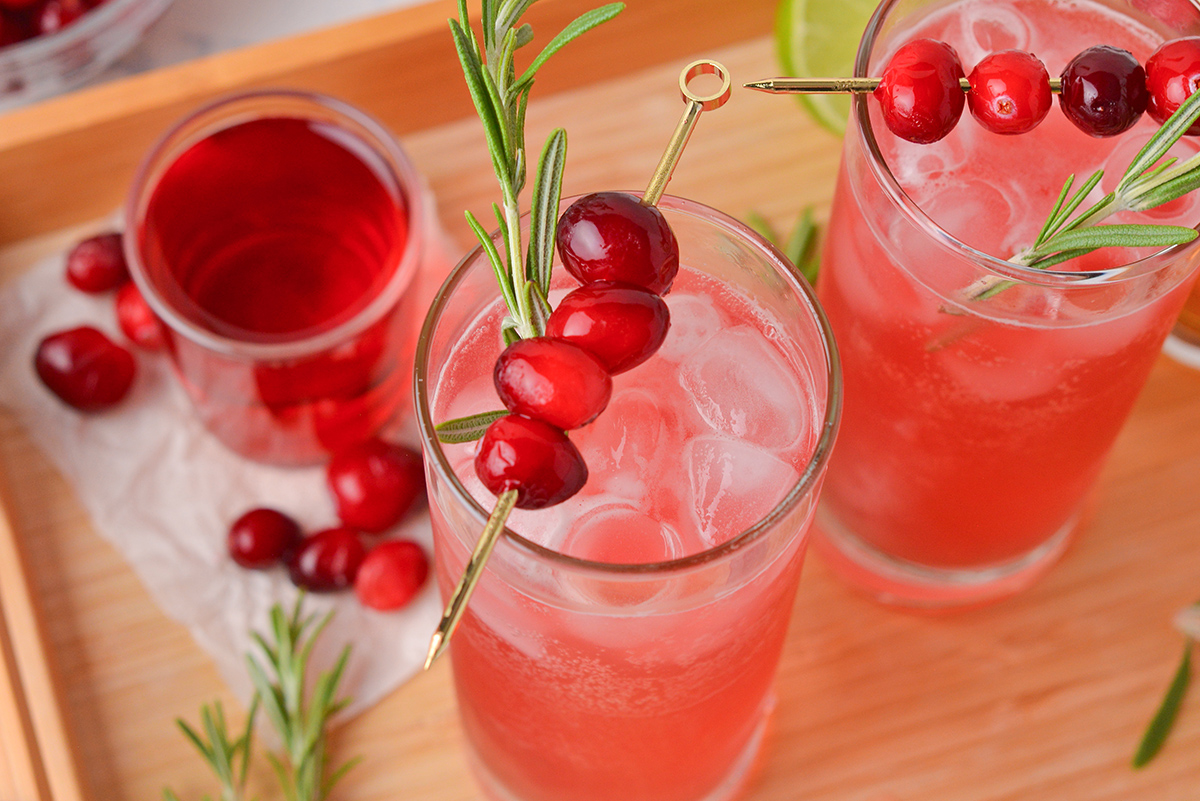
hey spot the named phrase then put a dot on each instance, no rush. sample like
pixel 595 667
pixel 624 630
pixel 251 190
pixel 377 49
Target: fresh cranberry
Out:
pixel 14 28
pixel 262 538
pixel 97 264
pixel 529 456
pixel 136 319
pixel 55 15
pixel 375 484
pixel 85 368
pixel 1172 75
pixel 552 380
pixel 921 91
pixel 620 324
pixel 612 236
pixel 391 575
pixel 1104 90
pixel 1010 92
pixel 327 561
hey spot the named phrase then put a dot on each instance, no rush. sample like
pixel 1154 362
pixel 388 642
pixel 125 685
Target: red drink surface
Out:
pixel 968 441
pixel 273 231
pixel 273 227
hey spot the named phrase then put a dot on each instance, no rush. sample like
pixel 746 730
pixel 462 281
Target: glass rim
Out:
pixel 381 141
pixel 804 486
pixel 861 126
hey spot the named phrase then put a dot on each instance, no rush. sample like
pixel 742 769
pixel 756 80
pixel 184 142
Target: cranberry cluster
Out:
pixel 374 486
pixel 1104 89
pixel 25 19
pixel 82 366
pixel 625 255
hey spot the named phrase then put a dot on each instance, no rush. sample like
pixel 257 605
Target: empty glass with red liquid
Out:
pixel 278 235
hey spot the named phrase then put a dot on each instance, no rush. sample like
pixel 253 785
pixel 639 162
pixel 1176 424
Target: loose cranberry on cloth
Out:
pixel 164 492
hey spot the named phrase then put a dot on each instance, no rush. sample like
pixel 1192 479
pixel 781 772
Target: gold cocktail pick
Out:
pixel 696 103
pixel 842 86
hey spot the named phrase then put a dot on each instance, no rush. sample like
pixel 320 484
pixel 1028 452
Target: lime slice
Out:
pixel 819 38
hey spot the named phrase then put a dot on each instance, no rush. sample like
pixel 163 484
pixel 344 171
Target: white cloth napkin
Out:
pixel 163 490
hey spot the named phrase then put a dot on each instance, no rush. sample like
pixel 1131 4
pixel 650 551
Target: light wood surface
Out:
pixel 1041 697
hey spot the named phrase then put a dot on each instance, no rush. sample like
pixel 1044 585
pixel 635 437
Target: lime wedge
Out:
pixel 818 38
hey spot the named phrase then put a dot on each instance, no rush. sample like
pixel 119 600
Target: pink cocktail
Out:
pixel 622 644
pixel 974 429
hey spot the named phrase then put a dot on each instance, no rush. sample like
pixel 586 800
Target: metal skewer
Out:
pixel 457 605
pixel 696 103
pixel 841 86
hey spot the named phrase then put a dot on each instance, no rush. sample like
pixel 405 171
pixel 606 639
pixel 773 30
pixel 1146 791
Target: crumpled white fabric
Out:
pixel 163 490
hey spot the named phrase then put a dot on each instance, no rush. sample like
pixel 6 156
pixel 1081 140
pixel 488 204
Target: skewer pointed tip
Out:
pixel 435 648
pixel 761 86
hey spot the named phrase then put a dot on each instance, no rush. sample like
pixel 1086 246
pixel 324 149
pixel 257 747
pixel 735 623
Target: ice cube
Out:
pixel 743 387
pixel 990 29
pixel 626 436
pixel 694 320
pixel 734 485
pixel 619 534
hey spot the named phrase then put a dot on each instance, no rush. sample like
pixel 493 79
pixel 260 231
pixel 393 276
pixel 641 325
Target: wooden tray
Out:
pixel 1042 697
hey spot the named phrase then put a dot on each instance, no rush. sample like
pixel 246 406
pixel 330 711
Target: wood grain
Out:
pixel 1041 698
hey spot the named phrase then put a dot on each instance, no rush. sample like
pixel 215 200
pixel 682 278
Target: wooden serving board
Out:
pixel 1041 697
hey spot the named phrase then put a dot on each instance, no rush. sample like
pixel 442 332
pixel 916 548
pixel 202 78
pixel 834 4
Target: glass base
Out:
pixel 1183 348
pixel 730 788
pixel 900 583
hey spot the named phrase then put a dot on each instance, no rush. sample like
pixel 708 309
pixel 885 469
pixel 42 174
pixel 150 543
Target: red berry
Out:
pixel 136 319
pixel 612 236
pixel 97 264
pixel 534 458
pixel 920 91
pixel 375 484
pixel 58 14
pixel 620 324
pixel 553 381
pixel 391 575
pixel 327 561
pixel 85 368
pixel 262 538
pixel 1010 92
pixel 1172 75
pixel 1103 90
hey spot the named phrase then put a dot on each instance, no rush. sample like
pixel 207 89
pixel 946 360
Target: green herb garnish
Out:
pixel 1160 725
pixel 298 717
pixel 501 97
pixel 1143 186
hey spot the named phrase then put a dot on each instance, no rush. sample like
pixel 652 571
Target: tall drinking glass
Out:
pixel 974 429
pixel 622 645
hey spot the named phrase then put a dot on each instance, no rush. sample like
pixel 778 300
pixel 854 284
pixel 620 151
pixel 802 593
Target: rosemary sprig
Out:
pixel 1145 184
pixel 501 98
pixel 229 759
pixel 1168 709
pixel 279 677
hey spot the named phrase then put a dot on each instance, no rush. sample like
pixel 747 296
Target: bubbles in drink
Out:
pixel 733 485
pixel 742 387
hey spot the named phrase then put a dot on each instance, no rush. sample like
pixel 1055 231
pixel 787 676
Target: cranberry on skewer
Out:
pixel 920 91
pixel 553 381
pixel 1104 91
pixel 620 324
pixel 613 236
pixel 1172 75
pixel 1010 92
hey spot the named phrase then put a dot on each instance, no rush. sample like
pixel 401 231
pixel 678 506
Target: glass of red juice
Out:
pixel 277 235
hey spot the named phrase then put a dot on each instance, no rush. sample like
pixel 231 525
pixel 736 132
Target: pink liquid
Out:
pixel 967 442
pixel 648 688
pixel 275 231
